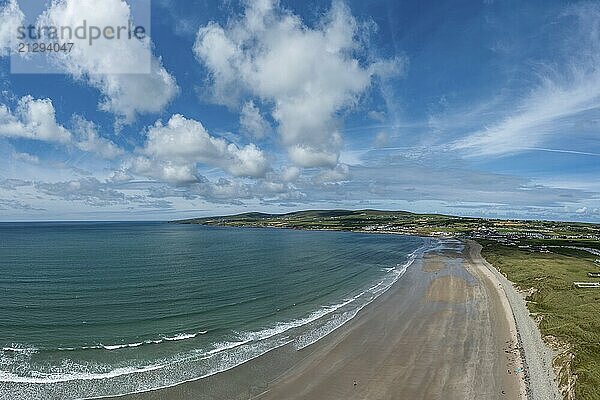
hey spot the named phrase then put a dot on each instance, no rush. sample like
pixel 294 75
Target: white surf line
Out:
pixel 187 380
pixel 412 257
pixel 398 274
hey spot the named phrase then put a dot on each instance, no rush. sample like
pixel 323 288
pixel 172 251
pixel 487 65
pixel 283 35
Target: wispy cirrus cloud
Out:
pixel 566 95
pixel 96 193
pixel 551 110
pixel 13 204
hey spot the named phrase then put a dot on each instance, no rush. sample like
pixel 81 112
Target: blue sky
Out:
pixel 479 108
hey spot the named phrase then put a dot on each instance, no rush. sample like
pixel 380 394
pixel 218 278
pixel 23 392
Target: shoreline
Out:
pixel 425 337
pixel 537 357
pixel 413 257
pixel 487 270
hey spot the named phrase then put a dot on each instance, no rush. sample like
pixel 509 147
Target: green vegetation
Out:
pixel 532 233
pixel 538 256
pixel 341 220
pixel 567 315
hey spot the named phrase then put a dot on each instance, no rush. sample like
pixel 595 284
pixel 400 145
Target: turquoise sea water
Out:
pixel 96 309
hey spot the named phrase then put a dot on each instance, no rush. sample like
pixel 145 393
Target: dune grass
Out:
pixel 570 315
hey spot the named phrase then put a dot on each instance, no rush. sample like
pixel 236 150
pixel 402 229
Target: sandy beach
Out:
pixel 446 336
pixel 536 356
pixel 445 330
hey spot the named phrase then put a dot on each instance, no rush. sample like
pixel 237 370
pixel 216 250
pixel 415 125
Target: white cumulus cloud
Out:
pixel 172 151
pixel 307 74
pixel 88 139
pixel 340 173
pixel 35 119
pixel 252 122
pixel 131 80
pixel 10 18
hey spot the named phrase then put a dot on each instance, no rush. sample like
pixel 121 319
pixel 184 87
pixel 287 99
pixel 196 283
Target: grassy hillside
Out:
pixel 535 233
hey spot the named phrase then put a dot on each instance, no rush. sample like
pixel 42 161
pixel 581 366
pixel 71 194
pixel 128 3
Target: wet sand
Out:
pixel 443 331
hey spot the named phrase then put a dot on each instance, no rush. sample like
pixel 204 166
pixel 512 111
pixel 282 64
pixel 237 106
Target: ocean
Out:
pixel 99 309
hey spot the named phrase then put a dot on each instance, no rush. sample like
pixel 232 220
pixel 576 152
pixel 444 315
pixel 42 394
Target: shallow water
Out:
pixel 96 309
